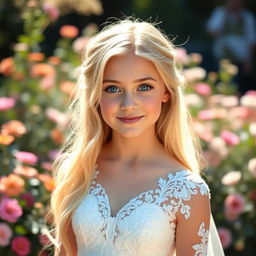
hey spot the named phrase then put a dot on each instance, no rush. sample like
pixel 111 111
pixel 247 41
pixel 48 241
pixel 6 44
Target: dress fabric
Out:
pixel 145 225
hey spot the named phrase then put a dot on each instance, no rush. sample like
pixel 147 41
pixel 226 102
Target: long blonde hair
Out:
pixel 75 166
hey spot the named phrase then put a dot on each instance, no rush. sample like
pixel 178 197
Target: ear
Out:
pixel 166 97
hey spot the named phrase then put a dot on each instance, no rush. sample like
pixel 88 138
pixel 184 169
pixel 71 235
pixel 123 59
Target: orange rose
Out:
pixel 6 139
pixel 69 31
pixel 14 127
pixel 42 70
pixel 12 185
pixel 57 136
pixel 7 66
pixel 36 56
pixel 26 171
pixel 48 181
pixel 54 60
pixel 67 87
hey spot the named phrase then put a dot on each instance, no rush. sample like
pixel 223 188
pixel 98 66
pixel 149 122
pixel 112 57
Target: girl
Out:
pixel 128 176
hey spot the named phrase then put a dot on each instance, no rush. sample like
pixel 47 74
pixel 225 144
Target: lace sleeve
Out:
pixel 192 231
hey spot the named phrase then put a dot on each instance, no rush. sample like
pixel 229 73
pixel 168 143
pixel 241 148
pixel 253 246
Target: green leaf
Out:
pixel 20 230
pixel 24 39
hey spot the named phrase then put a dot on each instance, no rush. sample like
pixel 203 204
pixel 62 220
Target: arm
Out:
pixel 192 233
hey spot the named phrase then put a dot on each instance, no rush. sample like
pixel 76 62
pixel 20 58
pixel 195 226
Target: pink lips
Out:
pixel 129 119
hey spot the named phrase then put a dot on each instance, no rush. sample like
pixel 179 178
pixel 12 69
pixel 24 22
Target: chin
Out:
pixel 130 134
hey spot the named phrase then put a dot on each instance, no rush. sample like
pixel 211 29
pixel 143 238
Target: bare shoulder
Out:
pixel 169 164
pixel 159 163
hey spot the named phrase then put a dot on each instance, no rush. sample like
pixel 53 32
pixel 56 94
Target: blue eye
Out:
pixel 145 87
pixel 112 89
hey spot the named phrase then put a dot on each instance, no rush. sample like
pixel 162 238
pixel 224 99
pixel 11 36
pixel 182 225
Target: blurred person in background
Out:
pixel 233 29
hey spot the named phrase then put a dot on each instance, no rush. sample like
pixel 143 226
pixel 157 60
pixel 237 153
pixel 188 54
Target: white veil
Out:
pixel 214 243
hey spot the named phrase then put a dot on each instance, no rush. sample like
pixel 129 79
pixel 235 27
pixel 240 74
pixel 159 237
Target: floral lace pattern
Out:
pixel 201 249
pixel 146 224
pixel 171 195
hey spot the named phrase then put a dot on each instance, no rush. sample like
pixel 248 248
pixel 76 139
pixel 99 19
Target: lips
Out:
pixel 129 119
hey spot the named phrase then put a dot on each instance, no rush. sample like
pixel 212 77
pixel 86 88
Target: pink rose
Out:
pixel 214 113
pixel 80 44
pixel 44 240
pixel 53 154
pixel 240 112
pixel 230 216
pixel 52 11
pixel 5 234
pixel 248 100
pixel 218 146
pixel 203 89
pixel 230 101
pixel 215 100
pixel 26 157
pixel 6 103
pixel 225 237
pixel 252 167
pixel 230 138
pixel 233 206
pixel 231 178
pixel 21 245
pixel 181 55
pixel 212 158
pixel 193 99
pixel 203 131
pixel 47 166
pixel 47 82
pixel 194 74
pixel 10 210
pixel 251 92
pixel 196 57
pixel 56 116
pixel 206 114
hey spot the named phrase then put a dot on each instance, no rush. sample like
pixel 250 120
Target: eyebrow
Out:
pixel 135 81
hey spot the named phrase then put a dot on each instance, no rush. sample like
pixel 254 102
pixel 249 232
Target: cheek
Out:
pixel 107 107
pixel 153 104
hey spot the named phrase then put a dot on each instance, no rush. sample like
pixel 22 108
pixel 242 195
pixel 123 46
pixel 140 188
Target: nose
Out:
pixel 128 102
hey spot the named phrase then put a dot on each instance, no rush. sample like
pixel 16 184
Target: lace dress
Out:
pixel 144 226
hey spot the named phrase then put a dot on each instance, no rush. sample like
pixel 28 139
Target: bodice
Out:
pixel 144 226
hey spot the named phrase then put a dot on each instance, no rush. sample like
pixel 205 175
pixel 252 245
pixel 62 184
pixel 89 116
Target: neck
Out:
pixel 130 151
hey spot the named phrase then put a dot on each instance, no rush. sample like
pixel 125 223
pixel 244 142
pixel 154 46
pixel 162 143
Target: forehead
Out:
pixel 129 65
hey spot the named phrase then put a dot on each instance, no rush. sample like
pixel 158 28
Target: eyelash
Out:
pixel 149 87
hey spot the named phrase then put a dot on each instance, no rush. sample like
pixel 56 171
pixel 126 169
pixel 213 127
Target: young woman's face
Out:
pixel 132 96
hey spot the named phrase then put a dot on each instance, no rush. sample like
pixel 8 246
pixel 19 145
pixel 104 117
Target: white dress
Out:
pixel 144 226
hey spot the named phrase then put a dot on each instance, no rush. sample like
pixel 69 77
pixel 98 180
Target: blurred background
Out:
pixel 40 47
pixel 181 19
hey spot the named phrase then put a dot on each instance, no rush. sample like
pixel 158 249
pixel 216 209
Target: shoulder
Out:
pixel 194 194
pixel 187 184
pixel 180 178
pixel 184 192
pixel 187 176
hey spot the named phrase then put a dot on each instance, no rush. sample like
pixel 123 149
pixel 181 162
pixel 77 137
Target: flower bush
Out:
pixel 226 124
pixel 34 96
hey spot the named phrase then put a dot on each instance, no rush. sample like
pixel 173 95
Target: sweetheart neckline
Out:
pixel 109 207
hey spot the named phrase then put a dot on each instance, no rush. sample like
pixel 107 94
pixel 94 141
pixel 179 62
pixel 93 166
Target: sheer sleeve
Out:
pixel 192 231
